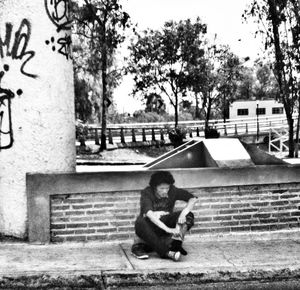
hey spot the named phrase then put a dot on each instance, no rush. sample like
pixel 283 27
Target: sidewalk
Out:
pixel 111 265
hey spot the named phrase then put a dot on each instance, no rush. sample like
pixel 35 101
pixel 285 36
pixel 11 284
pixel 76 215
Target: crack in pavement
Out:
pixel 225 257
pixel 123 250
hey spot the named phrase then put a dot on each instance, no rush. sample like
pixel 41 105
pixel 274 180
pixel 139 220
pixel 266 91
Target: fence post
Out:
pixel 144 135
pixel 162 138
pixel 96 137
pixel 153 134
pixel 246 128
pixel 133 135
pixel 110 138
pixel 225 130
pixel 122 135
pixel 198 133
pixel 191 133
pixel 235 129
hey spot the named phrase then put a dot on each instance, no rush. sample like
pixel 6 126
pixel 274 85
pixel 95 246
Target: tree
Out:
pixel 281 27
pixel 83 105
pixel 159 60
pixel 100 23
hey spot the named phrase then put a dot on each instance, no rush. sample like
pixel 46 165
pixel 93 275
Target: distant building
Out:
pixel 250 109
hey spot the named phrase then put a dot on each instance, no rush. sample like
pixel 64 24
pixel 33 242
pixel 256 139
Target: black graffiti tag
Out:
pixel 17 48
pixel 58 12
pixel 6 133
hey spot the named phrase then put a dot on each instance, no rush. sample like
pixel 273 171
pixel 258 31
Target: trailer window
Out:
pixel 242 112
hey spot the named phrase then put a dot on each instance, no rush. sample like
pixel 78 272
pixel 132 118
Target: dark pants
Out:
pixel 155 237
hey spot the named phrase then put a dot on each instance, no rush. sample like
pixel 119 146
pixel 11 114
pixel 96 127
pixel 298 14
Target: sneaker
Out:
pixel 176 246
pixel 139 252
pixel 175 256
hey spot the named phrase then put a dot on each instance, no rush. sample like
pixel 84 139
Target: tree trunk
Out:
pixel 280 72
pixel 197 109
pixel 207 117
pixel 297 135
pixel 104 94
pixel 291 136
pixel 176 111
pixel 224 108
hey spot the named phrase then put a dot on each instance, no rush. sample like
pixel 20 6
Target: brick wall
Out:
pixel 111 216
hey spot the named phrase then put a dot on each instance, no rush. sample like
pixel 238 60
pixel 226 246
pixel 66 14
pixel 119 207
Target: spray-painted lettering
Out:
pixel 58 12
pixel 17 47
pixel 6 133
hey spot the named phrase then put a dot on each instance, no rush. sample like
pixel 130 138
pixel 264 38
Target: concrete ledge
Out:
pixel 41 186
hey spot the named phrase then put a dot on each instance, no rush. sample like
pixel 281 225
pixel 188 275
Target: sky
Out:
pixel 223 17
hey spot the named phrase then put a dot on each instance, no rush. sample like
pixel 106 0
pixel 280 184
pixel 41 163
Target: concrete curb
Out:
pixel 123 279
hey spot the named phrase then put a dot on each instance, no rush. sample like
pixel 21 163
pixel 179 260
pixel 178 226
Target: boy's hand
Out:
pixel 173 231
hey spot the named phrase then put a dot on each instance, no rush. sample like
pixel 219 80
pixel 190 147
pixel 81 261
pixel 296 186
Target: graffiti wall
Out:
pixel 36 100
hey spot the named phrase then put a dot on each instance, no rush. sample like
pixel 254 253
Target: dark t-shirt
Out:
pixel 149 201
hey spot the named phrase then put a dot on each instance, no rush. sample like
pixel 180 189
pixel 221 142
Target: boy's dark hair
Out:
pixel 160 177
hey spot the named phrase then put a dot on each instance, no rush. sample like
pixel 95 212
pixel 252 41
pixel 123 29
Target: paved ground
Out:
pixel 111 266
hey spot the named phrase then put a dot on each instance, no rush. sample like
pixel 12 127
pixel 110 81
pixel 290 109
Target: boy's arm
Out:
pixel 189 207
pixel 154 217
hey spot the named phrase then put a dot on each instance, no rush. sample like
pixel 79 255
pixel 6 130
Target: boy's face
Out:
pixel 162 190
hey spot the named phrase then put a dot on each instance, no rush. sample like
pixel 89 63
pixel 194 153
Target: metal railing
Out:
pixel 142 132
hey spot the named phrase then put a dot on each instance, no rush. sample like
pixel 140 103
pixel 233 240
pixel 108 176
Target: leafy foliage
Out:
pixel 159 59
pixel 99 26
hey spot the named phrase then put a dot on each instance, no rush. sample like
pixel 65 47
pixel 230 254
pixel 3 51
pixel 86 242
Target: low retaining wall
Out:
pixel 103 206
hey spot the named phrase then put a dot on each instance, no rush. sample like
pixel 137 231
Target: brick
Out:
pixel 126 229
pixel 281 202
pixel 200 230
pixel 57 214
pixel 58 226
pixel 107 230
pixel 241 217
pixel 240 205
pixel 104 205
pixel 248 210
pixel 71 201
pixel 94 212
pixel 229 211
pixel 221 205
pixel 76 239
pixel 295 213
pixel 88 231
pixel 59 219
pixel 125 217
pixel 259 227
pixel 222 218
pixel 280 214
pixel 260 204
pixel 84 206
pixel 60 233
pixel 240 228
pixel 57 239
pixel 68 213
pixel 120 223
pixel 229 223
pixel 268 221
pixel 288 219
pixel 60 207
pixel 118 236
pixel 81 219
pixel 262 215
pixel 97 238
pixel 71 226
pixel 203 219
pixel 101 224
pixel 287 196
pixel 220 230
